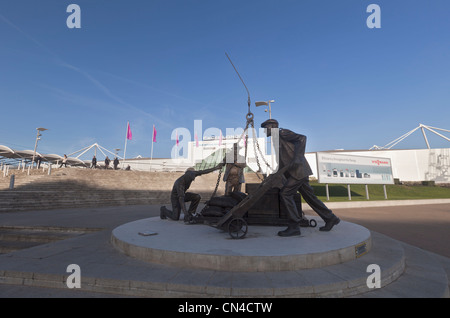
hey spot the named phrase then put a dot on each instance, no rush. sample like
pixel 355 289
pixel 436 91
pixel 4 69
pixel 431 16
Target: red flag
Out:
pixel 154 134
pixel 129 136
pixel 196 140
pixel 177 137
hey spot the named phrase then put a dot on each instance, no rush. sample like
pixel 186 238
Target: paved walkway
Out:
pixel 425 226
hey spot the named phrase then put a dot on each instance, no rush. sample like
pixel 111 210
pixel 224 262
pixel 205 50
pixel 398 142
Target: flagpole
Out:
pixel 125 148
pixel 176 155
pixel 153 141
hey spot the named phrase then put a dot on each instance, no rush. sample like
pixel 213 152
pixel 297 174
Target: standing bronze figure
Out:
pixel 291 154
pixel 234 172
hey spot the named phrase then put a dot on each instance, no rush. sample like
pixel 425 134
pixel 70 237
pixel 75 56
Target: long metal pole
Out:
pixel 125 148
pixel 35 146
pixel 437 133
pixel 248 93
pixel 425 137
pixel 151 154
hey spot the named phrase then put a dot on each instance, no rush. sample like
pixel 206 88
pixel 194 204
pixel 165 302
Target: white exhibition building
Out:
pixel 406 165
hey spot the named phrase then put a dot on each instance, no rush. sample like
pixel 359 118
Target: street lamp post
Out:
pixel 266 104
pixel 270 117
pixel 37 139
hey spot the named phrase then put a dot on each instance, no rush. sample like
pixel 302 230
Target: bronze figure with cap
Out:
pixel 291 156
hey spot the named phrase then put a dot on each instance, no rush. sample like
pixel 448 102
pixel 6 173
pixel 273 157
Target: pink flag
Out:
pixel 154 134
pixel 129 136
pixel 196 140
pixel 220 138
pixel 177 138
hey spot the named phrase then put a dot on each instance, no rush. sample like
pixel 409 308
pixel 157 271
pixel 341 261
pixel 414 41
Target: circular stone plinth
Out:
pixel 205 247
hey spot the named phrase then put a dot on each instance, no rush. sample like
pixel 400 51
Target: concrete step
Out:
pixel 342 280
pixel 14 238
pixel 221 276
pixel 19 235
pixel 76 204
pixel 107 179
pixel 424 277
pixel 405 272
pixel 21 200
pixel 11 246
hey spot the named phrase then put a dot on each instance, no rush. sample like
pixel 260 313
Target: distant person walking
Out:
pixel 94 162
pixel 116 163
pixel 38 161
pixel 64 162
pixel 107 161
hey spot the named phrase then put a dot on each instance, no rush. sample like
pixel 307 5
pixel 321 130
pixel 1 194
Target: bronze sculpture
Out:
pixel 179 196
pixel 291 154
pixel 234 172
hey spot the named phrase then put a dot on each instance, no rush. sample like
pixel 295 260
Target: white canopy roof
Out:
pixel 28 154
pixel 5 151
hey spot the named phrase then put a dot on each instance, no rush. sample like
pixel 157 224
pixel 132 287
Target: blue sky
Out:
pixel 163 63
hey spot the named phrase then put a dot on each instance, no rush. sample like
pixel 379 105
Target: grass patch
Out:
pixel 339 192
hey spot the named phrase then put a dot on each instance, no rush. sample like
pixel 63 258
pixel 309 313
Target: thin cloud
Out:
pixel 144 85
pixel 42 46
pixel 108 93
pixel 90 78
